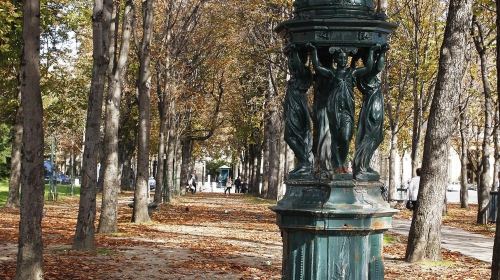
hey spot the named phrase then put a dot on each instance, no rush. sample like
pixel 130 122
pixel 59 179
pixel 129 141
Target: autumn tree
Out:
pixel 396 80
pixel 171 42
pixel 418 39
pixel 140 213
pixel 10 51
pixel 482 43
pixel 495 263
pixel 116 72
pixel 463 126
pixel 424 240
pixel 85 228
pixel 30 250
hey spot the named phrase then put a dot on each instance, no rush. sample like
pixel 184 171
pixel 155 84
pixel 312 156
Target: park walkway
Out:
pixel 454 239
pixel 202 236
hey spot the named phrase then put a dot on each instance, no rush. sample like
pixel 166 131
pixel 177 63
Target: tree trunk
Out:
pixel 417 102
pixel 392 166
pixel 265 158
pixel 160 168
pixel 112 39
pixel 274 160
pixel 495 263
pixel 85 228
pixel 127 174
pixel 141 199
pixel 127 143
pixel 496 145
pixel 187 152
pixel 30 249
pixel 251 175
pixel 169 187
pixel 245 165
pixel 163 139
pixel 178 168
pixel 282 165
pixel 15 164
pixel 111 183
pixel 485 180
pixel 255 164
pixel 102 167
pixel 424 241
pixel 416 132
pixel 258 171
pixel 464 193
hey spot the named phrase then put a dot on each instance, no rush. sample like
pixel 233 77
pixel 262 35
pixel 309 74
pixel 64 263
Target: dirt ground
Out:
pixel 201 236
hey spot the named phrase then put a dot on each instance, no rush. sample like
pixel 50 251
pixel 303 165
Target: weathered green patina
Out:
pixel 333 230
pixel 332 221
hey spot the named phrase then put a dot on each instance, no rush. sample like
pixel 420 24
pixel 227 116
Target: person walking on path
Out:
pixel 192 184
pixel 229 185
pixel 237 185
pixel 413 191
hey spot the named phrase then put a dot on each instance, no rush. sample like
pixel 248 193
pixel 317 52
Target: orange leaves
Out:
pixel 220 237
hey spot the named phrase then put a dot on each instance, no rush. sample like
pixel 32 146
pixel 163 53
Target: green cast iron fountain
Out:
pixel 332 219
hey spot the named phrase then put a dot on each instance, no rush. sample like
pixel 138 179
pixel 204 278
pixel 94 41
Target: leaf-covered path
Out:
pixel 470 244
pixel 202 236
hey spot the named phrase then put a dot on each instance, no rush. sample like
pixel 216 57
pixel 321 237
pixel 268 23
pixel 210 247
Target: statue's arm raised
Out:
pixel 293 58
pixel 381 59
pixel 296 62
pixel 368 67
pixel 315 61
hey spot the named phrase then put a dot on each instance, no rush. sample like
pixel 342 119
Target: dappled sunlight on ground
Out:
pixel 201 236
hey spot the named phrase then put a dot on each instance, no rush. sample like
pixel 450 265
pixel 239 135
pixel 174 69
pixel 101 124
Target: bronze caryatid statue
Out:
pixel 371 118
pixel 340 103
pixel 297 119
pixel 346 42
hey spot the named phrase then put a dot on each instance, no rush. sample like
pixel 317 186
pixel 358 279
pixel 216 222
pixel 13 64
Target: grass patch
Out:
pixel 104 251
pixel 389 239
pixel 62 191
pixel 4 191
pixel 429 264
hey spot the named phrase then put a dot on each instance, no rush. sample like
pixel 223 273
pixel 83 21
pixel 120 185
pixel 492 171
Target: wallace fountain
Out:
pixel 332 216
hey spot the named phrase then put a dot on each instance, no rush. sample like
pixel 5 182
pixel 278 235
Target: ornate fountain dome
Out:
pixel 334 8
pixel 342 23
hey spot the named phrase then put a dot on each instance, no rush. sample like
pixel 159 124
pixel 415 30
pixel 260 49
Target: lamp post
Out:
pixel 332 219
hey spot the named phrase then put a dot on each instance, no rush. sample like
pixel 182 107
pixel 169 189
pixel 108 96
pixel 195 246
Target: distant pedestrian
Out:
pixel 229 185
pixel 413 191
pixel 237 185
pixel 192 184
pixel 244 187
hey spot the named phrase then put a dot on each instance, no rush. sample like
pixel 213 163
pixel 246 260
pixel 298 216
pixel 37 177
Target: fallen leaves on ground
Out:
pixel 201 236
pixel 459 218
